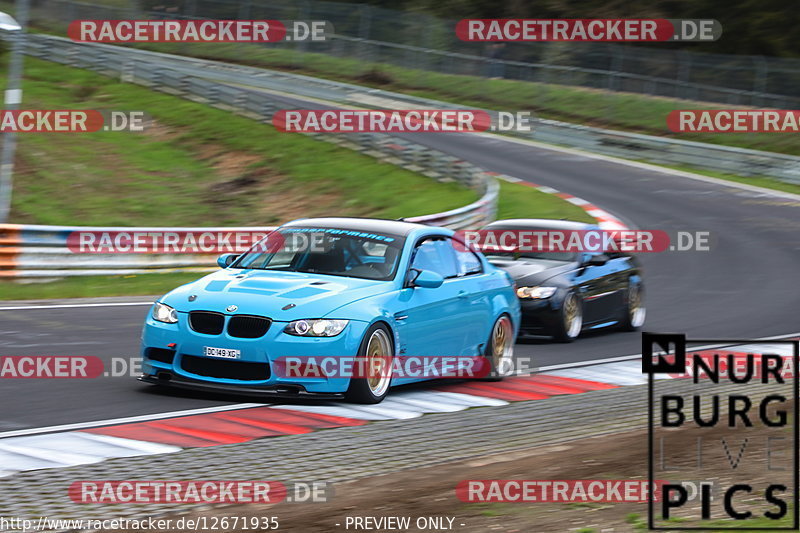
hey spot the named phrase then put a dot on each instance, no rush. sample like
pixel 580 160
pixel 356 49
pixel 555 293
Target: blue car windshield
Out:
pixel 331 251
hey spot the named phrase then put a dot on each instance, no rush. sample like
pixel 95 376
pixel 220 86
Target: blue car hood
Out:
pixel 271 293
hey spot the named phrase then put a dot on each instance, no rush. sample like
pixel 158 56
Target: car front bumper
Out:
pixel 259 354
pixel 540 317
pixel 166 378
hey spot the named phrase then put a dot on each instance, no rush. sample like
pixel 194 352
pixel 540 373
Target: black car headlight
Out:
pixel 164 313
pixel 536 293
pixel 321 327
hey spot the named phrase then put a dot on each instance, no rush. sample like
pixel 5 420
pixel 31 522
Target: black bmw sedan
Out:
pixel 566 289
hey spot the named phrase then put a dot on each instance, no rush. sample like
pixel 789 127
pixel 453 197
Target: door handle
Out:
pixel 463 294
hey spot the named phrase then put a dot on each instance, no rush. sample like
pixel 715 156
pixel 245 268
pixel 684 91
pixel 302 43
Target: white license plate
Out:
pixel 227 353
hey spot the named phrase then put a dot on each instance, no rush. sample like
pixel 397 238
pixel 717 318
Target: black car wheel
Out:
pixel 571 322
pixel 635 310
pixel 377 352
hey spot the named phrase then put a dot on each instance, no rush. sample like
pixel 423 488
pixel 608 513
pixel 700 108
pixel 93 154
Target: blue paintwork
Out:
pixel 453 319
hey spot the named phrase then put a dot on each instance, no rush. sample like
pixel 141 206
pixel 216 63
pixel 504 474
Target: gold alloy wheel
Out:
pixel 636 309
pixel 502 344
pixel 379 361
pixel 573 319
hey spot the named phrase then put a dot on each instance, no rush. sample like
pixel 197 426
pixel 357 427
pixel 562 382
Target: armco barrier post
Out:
pixel 13 97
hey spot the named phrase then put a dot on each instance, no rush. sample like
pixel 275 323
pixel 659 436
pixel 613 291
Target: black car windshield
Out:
pixel 331 251
pixel 514 256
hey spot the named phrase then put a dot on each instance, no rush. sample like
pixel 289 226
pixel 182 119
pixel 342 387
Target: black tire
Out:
pixel 570 319
pixel 364 390
pixel 499 358
pixel 635 310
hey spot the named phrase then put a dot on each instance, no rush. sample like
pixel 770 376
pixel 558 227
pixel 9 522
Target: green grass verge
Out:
pixel 93 286
pixel 552 100
pixel 195 165
pixel 202 166
pixel 521 201
pixel 550 97
pixel 757 181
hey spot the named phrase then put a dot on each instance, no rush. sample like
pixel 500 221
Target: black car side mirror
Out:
pixel 596 260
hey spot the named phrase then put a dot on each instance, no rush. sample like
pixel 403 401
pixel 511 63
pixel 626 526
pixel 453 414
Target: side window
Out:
pixel 466 260
pixel 436 256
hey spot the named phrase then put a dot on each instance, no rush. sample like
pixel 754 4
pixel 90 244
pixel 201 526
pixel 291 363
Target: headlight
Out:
pixel 315 328
pixel 536 293
pixel 164 313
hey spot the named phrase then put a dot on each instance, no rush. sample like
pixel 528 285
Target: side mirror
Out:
pixel 596 260
pixel 428 280
pixel 225 260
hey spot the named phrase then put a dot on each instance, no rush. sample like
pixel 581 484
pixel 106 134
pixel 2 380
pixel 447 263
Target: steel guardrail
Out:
pixel 31 251
pixel 639 147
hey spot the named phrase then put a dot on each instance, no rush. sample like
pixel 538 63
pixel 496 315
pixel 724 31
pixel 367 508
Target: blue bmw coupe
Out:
pixel 332 287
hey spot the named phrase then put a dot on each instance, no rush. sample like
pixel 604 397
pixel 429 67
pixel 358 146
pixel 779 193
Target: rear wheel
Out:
pixel 376 352
pixel 635 310
pixel 571 322
pixel 500 349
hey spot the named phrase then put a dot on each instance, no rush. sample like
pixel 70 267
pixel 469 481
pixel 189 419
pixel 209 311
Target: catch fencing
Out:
pixel 423 44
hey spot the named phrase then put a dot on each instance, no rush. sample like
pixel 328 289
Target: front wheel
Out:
pixel 571 319
pixel 376 352
pixel 635 310
pixel 500 349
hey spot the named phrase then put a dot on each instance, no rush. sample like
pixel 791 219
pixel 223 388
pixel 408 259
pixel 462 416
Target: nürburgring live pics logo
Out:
pixel 726 421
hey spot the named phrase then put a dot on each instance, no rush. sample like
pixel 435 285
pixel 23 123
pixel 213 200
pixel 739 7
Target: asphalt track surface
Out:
pixel 745 287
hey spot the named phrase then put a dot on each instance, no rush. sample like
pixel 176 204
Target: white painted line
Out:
pixel 137 447
pixel 71 306
pixel 456 399
pixel 643 166
pixel 474 400
pixel 373 412
pixel 577 201
pixel 426 405
pixel 623 379
pixel 345 411
pixel 129 420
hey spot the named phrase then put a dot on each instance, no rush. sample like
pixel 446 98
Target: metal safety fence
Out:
pixel 370 35
pixel 30 251
pixel 222 84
